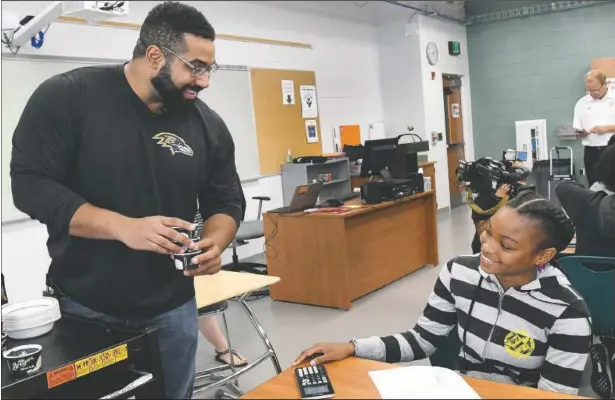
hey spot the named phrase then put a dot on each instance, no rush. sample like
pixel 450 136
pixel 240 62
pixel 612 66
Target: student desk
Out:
pixel 330 259
pixel 225 285
pixel 350 380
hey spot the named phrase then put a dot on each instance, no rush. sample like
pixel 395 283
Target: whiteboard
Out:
pixel 229 94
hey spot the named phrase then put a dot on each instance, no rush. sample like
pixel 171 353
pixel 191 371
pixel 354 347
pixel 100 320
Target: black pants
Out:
pixel 590 159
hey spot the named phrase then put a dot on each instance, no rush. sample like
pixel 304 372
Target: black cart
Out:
pixel 85 359
pixel 546 174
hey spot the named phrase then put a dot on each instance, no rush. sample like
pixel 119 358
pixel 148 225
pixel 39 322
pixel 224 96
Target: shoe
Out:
pixel 238 360
pixel 600 379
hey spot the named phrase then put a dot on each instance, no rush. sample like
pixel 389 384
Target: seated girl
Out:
pixel 517 317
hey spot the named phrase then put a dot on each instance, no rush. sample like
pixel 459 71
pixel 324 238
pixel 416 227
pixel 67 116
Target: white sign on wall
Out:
pixel 288 92
pixel 455 110
pixel 309 108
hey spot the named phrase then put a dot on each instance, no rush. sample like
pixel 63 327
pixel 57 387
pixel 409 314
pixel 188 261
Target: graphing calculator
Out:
pixel 314 382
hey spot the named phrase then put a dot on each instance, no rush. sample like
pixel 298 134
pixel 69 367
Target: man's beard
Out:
pixel 171 96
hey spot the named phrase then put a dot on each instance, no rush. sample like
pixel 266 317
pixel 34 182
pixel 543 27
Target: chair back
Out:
pixel 242 197
pixel 594 279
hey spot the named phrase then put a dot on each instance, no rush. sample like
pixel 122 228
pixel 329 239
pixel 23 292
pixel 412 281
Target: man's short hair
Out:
pixel 166 24
pixel 596 74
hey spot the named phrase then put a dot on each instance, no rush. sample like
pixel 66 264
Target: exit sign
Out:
pixel 454 48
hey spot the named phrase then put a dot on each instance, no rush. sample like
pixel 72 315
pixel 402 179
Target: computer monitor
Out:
pixel 405 161
pixel 381 142
pixel 376 159
pixel 353 152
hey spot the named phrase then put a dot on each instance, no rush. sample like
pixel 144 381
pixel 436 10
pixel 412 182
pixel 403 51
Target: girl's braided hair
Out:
pixel 558 229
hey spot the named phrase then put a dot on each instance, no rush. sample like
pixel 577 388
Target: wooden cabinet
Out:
pixel 330 259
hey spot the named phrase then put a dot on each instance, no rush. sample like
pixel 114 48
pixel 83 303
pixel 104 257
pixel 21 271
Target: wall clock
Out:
pixel 432 53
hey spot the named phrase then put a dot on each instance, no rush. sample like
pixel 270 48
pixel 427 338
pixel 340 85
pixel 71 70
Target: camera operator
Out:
pixel 490 184
pixel 489 203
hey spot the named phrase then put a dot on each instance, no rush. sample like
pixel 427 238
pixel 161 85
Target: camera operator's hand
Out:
pixel 502 191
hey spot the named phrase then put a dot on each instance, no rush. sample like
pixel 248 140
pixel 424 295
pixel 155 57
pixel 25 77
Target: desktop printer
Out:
pixel 375 192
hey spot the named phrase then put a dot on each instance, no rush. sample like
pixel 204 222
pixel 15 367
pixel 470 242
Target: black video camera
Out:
pixel 486 174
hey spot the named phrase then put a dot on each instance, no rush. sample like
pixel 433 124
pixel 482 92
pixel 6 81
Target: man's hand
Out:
pixel 502 191
pixel 599 130
pixel 209 263
pixel 581 132
pixel 154 234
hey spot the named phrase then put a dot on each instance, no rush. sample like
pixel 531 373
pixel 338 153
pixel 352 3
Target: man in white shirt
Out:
pixel 594 119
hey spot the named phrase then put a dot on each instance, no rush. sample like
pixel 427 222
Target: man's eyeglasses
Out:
pixel 196 71
pixel 595 90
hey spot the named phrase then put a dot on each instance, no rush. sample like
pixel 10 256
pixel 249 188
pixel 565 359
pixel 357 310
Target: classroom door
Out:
pixel 451 87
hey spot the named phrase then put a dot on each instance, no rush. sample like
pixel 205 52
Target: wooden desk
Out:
pixel 570 250
pixel 350 380
pixel 212 289
pixel 332 259
pixel 225 285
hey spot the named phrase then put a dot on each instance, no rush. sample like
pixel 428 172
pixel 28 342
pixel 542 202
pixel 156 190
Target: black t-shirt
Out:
pixel 583 208
pixel 85 136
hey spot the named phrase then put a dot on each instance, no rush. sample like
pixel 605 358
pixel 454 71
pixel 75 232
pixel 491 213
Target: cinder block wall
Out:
pixel 533 68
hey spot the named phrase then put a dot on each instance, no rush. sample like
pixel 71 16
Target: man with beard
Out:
pixel 110 158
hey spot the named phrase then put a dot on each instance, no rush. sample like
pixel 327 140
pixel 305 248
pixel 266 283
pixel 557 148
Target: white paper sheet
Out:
pixel 421 382
pixel 455 108
pixel 288 92
pixel 309 104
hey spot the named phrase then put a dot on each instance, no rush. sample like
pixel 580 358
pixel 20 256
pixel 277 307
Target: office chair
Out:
pixel 597 287
pixel 594 279
pixel 247 231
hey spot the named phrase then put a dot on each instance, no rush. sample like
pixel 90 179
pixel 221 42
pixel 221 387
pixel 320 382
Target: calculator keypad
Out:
pixel 313 375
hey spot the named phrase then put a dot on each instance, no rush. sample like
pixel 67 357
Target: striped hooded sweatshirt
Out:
pixel 535 335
